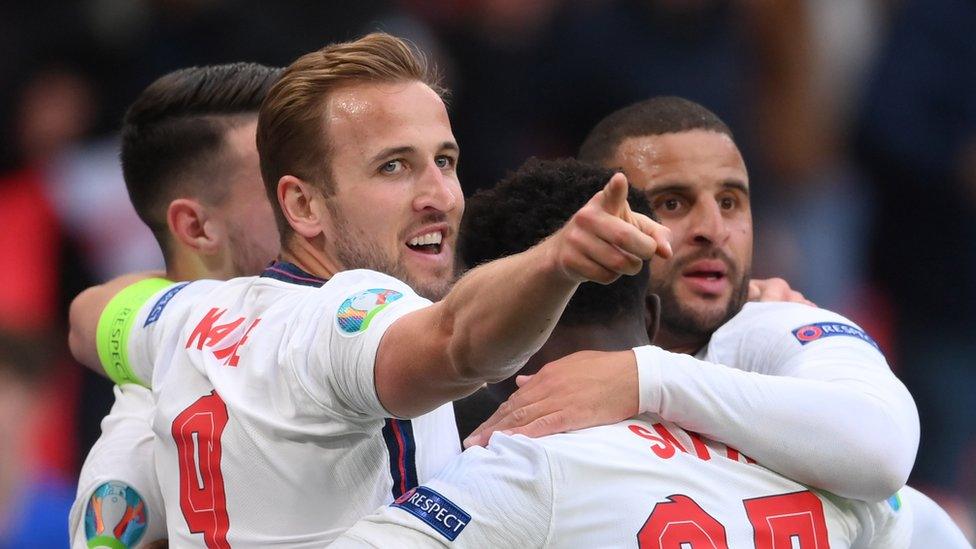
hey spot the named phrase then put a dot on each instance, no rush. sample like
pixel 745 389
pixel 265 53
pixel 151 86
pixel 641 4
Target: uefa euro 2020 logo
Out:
pixel 355 313
pixel 115 517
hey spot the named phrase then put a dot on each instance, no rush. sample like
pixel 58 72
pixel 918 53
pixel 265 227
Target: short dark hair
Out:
pixel 173 130
pixel 654 116
pixel 531 204
pixel 293 137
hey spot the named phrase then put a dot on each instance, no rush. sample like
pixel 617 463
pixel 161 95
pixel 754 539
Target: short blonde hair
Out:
pixel 292 136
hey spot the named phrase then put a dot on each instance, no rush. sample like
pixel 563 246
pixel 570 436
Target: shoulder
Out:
pixel 361 277
pixel 779 316
pixel 516 461
pixel 785 326
pixel 360 296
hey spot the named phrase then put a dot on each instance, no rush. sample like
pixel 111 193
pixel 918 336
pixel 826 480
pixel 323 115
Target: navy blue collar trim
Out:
pixel 288 272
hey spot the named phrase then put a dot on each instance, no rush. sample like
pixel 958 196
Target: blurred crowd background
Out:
pixel 857 119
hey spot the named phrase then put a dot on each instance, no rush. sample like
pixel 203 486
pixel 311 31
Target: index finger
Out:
pixel 657 231
pixel 615 196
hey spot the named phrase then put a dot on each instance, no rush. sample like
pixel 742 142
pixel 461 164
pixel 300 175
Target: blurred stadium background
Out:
pixel 857 119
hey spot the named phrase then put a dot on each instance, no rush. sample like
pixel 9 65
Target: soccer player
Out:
pixel 280 383
pixel 809 394
pixel 642 482
pixel 191 167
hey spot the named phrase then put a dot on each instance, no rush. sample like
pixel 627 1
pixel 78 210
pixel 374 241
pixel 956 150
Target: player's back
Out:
pixel 267 424
pixel 639 483
pixel 668 486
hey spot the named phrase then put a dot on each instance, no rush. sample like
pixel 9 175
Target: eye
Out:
pixel 667 203
pixel 445 161
pixel 727 203
pixel 392 167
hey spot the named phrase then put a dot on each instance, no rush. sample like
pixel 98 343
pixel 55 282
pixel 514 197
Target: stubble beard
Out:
pixel 688 324
pixel 357 251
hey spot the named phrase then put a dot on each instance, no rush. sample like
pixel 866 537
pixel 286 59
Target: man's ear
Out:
pixel 190 224
pixel 302 204
pixel 652 315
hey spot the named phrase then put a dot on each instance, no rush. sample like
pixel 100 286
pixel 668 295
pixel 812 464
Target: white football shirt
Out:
pixel 121 460
pixel 639 483
pixel 268 428
pixel 805 373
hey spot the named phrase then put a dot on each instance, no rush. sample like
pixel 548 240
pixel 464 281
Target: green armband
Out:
pixel 115 325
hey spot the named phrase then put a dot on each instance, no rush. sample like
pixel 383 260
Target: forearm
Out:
pixel 855 435
pixel 501 313
pixel 487 327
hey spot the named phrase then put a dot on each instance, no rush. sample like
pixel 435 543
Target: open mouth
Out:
pixel 427 243
pixel 706 275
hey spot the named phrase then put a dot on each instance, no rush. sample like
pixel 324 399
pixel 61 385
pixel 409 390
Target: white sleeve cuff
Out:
pixel 648 379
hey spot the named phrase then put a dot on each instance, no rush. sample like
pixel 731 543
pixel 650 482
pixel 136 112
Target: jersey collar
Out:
pixel 289 272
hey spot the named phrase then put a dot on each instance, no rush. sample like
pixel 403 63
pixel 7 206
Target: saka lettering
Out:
pixel 666 445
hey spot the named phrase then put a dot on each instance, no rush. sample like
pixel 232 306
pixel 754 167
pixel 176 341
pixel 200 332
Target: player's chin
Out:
pixel 708 311
pixel 432 285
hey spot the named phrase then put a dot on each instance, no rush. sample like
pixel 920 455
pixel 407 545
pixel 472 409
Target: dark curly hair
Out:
pixel 532 203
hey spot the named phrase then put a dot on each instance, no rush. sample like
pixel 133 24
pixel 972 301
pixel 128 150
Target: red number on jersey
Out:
pixel 197 433
pixel 681 524
pixel 777 520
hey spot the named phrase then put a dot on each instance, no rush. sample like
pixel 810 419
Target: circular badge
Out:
pixel 356 312
pixel 809 333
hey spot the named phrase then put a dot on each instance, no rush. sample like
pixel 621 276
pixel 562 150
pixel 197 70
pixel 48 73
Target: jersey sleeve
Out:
pixel 137 323
pixel 931 526
pixel 808 395
pixel 358 307
pixel 499 496
pixel 118 502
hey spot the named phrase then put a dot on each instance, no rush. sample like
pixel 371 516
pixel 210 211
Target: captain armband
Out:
pixel 115 325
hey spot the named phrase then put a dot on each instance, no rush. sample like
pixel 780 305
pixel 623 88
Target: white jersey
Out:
pixel 118 496
pixel 268 428
pixel 818 371
pixel 639 483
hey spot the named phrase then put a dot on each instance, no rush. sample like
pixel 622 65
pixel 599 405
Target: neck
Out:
pixel 189 265
pixel 308 256
pixel 679 343
pixel 621 335
pixel 566 340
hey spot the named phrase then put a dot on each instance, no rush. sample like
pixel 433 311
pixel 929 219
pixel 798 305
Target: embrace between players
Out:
pixel 283 408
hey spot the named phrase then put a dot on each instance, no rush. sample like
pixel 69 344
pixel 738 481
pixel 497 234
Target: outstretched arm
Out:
pixel 501 313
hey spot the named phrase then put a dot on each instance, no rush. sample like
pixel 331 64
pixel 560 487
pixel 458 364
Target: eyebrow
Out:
pixel 733 184
pixel 407 149
pixel 736 185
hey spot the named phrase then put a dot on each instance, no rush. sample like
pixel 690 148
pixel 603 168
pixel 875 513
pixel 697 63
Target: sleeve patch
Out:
pixel 437 511
pixel 161 303
pixel 116 516
pixel 812 332
pixel 356 312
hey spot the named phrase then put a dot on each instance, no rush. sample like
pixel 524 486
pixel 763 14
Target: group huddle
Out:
pixel 330 328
